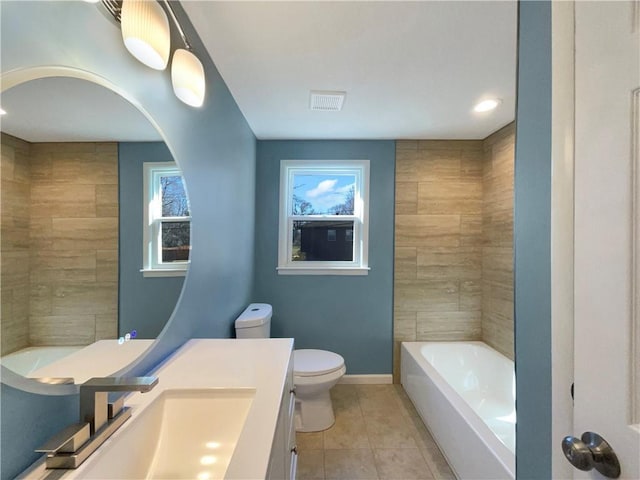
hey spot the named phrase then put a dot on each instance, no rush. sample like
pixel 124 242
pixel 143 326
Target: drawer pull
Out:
pixel 294 449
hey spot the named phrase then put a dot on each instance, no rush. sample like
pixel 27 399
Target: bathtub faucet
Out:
pixel 98 420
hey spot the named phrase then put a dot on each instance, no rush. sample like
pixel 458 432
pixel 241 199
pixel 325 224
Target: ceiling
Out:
pixel 64 109
pixel 410 70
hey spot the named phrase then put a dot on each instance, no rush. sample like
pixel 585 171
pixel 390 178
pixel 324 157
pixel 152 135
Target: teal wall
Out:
pixel 532 226
pixel 145 304
pixel 349 315
pixel 213 145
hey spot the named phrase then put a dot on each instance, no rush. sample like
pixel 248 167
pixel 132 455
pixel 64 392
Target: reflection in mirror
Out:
pixel 75 302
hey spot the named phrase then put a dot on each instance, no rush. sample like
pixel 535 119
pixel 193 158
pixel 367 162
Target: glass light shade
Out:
pixel 145 32
pixel 187 77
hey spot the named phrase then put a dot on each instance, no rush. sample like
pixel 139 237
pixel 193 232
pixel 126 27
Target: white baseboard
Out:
pixel 367 379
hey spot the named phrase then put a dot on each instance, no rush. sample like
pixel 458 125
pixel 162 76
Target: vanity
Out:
pixel 222 408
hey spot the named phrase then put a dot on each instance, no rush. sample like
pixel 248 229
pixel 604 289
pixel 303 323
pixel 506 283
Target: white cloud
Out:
pixel 346 188
pixel 325 187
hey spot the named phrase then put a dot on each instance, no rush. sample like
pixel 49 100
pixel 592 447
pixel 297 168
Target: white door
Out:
pixel 607 228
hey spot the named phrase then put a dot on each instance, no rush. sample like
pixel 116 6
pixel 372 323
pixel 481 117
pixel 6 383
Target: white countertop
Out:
pixel 260 364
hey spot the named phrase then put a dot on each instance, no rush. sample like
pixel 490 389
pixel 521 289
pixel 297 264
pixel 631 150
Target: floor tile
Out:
pixel 377 432
pixel 347 432
pixel 401 464
pixel 378 399
pixel 349 464
pixel 389 431
pixel 310 441
pixel 345 401
pixel 421 435
pixel 310 464
pixel 437 464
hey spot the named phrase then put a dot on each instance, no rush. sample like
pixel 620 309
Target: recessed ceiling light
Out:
pixel 487 105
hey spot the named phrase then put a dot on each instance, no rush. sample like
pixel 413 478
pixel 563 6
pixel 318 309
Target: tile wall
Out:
pixel 72 266
pixel 14 245
pixel 449 264
pixel 438 235
pixel 497 241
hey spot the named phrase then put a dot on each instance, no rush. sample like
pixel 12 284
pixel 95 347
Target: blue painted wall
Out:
pixel 145 303
pixel 349 315
pixel 213 145
pixel 532 226
pixel 27 422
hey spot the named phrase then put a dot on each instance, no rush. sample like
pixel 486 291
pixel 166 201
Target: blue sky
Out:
pixel 323 191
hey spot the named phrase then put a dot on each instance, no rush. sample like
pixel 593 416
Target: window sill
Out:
pixel 323 271
pixel 156 272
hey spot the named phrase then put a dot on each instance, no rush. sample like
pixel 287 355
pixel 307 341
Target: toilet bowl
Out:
pixel 314 371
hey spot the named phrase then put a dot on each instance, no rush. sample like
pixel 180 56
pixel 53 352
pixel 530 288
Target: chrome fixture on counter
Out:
pixel 98 420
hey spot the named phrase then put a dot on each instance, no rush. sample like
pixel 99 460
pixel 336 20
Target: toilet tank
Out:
pixel 254 322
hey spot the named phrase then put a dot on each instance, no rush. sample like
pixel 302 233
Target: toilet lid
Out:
pixel 309 363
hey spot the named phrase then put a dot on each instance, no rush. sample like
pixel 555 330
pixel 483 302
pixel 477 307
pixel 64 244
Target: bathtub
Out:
pixel 30 359
pixel 100 359
pixel 465 394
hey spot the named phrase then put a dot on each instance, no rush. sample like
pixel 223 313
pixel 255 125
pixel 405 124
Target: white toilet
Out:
pixel 314 371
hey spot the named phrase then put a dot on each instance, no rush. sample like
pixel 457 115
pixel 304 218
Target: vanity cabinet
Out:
pixel 284 454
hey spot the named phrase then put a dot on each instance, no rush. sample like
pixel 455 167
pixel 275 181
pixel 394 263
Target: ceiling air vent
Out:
pixel 326 101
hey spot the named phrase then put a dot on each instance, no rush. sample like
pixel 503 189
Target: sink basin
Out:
pixel 181 434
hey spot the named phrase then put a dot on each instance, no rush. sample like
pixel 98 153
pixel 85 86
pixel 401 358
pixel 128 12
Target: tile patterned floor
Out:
pixel 377 435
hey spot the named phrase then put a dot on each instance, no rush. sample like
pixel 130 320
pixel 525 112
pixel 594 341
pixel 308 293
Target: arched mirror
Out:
pixel 95 230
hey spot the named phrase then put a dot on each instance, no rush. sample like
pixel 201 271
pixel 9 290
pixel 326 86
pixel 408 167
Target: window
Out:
pixel 324 211
pixel 167 221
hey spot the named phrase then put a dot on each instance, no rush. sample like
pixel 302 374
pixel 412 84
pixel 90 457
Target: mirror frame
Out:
pixel 16 77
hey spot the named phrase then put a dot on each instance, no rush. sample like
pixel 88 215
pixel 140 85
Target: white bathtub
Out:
pixel 100 359
pixel 30 359
pixel 465 394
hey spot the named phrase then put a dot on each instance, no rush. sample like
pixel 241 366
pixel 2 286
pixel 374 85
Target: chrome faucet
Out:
pixel 98 420
pixel 94 397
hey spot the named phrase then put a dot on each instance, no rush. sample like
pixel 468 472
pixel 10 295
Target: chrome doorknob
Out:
pixel 591 451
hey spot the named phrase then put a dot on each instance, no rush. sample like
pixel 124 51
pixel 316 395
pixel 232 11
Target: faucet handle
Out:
pixel 68 440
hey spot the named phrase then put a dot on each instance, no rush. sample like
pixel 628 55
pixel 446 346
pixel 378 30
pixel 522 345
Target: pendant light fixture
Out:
pixel 147 36
pixel 187 73
pixel 145 32
pixel 187 77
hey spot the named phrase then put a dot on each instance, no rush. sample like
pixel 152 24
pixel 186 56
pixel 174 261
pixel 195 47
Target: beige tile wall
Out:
pixel 74 243
pixel 438 235
pixel 59 243
pixel 497 241
pixel 14 244
pixel 453 241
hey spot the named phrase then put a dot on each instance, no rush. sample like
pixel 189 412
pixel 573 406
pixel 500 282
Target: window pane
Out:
pixel 318 194
pixel 175 241
pixel 174 198
pixel 314 242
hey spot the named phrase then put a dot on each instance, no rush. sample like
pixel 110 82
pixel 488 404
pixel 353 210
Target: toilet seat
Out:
pixel 314 363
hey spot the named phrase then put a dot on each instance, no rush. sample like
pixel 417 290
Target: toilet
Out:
pixel 314 371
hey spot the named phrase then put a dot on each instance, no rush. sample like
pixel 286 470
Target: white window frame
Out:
pixel 360 218
pixel 153 219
